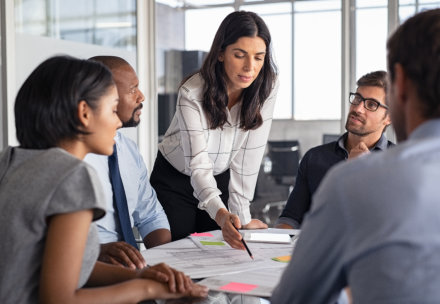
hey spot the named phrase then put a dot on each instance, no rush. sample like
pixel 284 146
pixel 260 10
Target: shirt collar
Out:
pixel 381 144
pixel 340 142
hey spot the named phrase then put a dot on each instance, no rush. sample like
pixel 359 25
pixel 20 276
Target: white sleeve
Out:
pixel 246 163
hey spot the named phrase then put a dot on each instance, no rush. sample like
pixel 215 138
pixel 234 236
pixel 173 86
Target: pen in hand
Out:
pixel 244 243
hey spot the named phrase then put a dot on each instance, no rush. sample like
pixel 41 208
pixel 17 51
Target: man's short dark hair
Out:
pixel 46 106
pixel 375 79
pixel 415 45
pixel 111 62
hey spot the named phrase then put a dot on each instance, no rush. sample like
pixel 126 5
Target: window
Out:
pixel 201 26
pixel 317 60
pixel 278 18
pixel 407 8
pixel 109 23
pixel 307 45
pixel 371 36
pixel 322 44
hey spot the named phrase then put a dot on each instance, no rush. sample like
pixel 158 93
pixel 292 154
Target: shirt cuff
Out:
pixel 213 206
pixel 244 215
pixel 160 223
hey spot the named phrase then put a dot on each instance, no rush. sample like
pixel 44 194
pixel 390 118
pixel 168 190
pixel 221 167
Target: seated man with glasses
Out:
pixel 366 122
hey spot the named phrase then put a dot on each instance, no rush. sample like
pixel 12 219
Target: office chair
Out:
pixel 276 178
pixel 327 138
pixel 284 156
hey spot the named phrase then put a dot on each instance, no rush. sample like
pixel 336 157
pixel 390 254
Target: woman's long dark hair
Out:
pixel 215 96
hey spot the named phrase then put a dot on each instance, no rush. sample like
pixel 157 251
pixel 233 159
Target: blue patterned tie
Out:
pixel 119 199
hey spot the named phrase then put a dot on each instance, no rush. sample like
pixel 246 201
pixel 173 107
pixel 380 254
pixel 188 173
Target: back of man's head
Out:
pixel 111 62
pixel 416 47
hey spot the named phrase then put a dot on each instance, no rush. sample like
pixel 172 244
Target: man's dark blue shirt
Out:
pixel 312 169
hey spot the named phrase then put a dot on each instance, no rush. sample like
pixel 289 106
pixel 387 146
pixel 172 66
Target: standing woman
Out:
pixel 208 162
pixel 49 197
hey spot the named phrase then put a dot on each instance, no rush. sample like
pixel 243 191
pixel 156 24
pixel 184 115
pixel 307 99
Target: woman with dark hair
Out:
pixel 49 197
pixel 207 166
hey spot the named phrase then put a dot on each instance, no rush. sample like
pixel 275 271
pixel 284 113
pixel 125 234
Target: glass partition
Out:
pixel 317 60
pixel 110 23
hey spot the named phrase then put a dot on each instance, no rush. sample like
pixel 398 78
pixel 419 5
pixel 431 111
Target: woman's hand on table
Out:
pixel 229 222
pixel 176 281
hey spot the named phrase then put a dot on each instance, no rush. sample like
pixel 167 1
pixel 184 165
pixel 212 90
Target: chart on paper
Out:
pixel 199 263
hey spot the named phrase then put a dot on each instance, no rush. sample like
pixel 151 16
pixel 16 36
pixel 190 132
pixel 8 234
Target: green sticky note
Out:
pixel 208 243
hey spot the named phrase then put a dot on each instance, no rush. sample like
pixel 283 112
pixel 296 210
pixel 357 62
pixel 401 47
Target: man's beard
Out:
pixel 360 132
pixel 131 122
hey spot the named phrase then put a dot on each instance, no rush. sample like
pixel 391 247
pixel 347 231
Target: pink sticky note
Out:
pixel 202 234
pixel 240 287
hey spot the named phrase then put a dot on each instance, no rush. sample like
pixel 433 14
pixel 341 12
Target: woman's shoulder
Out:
pixel 60 162
pixel 61 158
pixel 53 167
pixel 193 85
pixel 43 157
pixel 75 178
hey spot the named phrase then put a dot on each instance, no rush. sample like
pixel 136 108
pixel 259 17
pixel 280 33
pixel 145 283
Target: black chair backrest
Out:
pixel 327 138
pixel 285 156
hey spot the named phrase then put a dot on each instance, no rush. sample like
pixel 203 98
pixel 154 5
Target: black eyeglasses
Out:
pixel 370 104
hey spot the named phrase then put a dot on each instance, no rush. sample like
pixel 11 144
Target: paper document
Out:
pixel 290 232
pixel 199 263
pixel 266 237
pixel 259 282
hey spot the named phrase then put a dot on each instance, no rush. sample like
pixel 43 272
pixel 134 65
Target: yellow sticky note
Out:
pixel 282 259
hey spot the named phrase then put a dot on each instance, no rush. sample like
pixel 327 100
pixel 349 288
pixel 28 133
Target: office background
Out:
pixel 321 48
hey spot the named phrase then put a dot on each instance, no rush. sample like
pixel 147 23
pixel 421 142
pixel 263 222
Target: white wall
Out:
pixel 32 50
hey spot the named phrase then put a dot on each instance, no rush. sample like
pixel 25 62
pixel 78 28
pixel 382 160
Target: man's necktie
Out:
pixel 119 199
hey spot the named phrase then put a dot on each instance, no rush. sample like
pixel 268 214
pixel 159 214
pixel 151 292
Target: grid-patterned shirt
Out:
pixel 200 152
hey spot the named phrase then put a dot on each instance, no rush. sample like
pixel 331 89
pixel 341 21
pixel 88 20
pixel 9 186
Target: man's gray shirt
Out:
pixel 374 226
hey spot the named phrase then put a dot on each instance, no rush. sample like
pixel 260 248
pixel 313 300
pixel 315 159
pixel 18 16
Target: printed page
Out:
pixel 199 263
pixel 259 282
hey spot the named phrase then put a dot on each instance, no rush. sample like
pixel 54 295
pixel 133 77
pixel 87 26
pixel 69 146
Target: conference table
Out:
pixel 231 275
